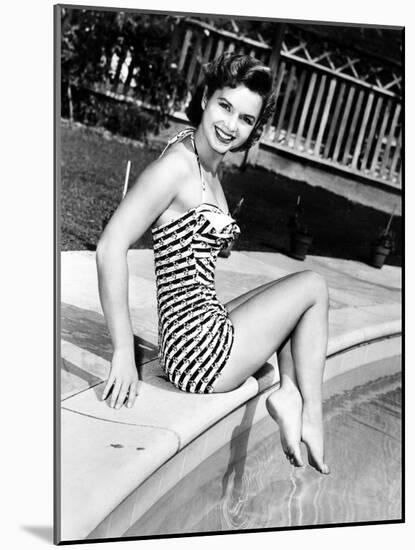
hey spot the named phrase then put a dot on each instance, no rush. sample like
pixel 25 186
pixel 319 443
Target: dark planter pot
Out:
pixel 379 254
pixel 300 243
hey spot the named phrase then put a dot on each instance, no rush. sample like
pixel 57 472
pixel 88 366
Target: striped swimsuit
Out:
pixel 195 333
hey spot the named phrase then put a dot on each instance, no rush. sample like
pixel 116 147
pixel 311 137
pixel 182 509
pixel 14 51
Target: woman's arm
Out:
pixel 155 189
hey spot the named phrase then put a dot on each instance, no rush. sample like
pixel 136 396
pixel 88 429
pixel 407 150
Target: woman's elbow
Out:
pixel 108 249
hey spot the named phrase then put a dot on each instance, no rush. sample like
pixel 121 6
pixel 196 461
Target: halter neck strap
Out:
pixel 192 138
pixel 179 137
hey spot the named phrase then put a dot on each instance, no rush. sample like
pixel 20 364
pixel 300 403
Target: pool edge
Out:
pixel 357 356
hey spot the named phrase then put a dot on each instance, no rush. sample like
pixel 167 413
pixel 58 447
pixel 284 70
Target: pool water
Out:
pixel 235 490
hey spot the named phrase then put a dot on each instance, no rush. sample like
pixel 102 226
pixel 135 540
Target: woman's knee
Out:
pixel 318 284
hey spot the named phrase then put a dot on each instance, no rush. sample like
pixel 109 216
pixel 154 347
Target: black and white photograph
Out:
pixel 229 202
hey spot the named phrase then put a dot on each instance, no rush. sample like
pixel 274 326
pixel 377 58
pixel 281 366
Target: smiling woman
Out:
pixel 204 345
pixel 229 117
pixel 229 72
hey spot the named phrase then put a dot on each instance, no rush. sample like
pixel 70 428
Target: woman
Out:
pixel 205 346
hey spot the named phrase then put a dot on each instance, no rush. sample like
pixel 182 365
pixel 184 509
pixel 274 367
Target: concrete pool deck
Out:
pixel 106 454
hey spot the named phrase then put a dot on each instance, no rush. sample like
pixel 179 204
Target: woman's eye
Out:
pixel 225 106
pixel 248 121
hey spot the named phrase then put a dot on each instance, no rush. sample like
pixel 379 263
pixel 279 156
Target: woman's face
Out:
pixel 229 117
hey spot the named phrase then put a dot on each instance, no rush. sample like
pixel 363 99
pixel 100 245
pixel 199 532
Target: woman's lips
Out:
pixel 224 137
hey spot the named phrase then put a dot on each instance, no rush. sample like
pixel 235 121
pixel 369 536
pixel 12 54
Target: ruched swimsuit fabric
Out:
pixel 195 333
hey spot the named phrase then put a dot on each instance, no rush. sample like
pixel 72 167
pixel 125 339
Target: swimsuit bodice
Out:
pixel 186 247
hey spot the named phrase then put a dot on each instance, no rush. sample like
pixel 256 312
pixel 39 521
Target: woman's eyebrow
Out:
pixel 229 103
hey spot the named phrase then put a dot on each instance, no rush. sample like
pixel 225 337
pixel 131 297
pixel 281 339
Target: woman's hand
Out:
pixel 123 378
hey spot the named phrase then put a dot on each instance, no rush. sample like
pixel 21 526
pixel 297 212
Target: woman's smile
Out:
pixel 224 136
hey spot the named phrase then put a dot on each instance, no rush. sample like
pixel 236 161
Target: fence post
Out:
pixel 251 155
pixel 276 50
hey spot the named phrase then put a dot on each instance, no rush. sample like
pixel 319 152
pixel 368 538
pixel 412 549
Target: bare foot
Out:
pixel 285 407
pixel 313 437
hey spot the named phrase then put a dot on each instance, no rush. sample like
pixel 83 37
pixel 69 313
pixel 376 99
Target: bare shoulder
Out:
pixel 170 168
pixel 179 154
pixel 156 188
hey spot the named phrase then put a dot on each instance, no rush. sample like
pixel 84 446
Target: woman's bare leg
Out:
pixel 313 328
pixel 285 406
pixel 305 371
pixel 287 409
pixel 297 304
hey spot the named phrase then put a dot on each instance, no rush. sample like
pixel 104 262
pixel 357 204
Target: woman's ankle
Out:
pixel 312 409
pixel 287 384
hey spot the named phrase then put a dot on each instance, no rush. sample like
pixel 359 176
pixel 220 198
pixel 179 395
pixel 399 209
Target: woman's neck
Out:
pixel 209 159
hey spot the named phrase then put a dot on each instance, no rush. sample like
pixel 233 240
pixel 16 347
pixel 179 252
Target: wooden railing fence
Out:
pixel 326 112
pixel 333 107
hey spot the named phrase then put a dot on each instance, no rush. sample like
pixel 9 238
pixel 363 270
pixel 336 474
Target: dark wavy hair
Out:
pixel 232 70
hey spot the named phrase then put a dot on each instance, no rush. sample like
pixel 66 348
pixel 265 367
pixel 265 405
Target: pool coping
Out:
pixel 98 504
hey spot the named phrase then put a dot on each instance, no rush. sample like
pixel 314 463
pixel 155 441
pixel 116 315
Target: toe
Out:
pixel 317 464
pixel 295 458
pixel 291 459
pixel 298 459
pixel 325 469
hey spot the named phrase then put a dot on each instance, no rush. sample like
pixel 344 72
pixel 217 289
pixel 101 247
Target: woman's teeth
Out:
pixel 222 136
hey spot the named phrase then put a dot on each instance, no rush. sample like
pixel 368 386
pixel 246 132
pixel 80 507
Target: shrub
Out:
pixel 125 119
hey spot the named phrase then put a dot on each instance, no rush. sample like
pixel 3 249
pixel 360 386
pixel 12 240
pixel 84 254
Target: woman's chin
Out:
pixel 219 147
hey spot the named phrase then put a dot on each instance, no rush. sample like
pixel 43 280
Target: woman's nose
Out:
pixel 232 121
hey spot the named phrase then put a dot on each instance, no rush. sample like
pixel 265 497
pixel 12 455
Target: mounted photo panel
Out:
pixel 228 274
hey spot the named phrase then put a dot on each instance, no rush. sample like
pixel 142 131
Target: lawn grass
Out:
pixel 92 176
